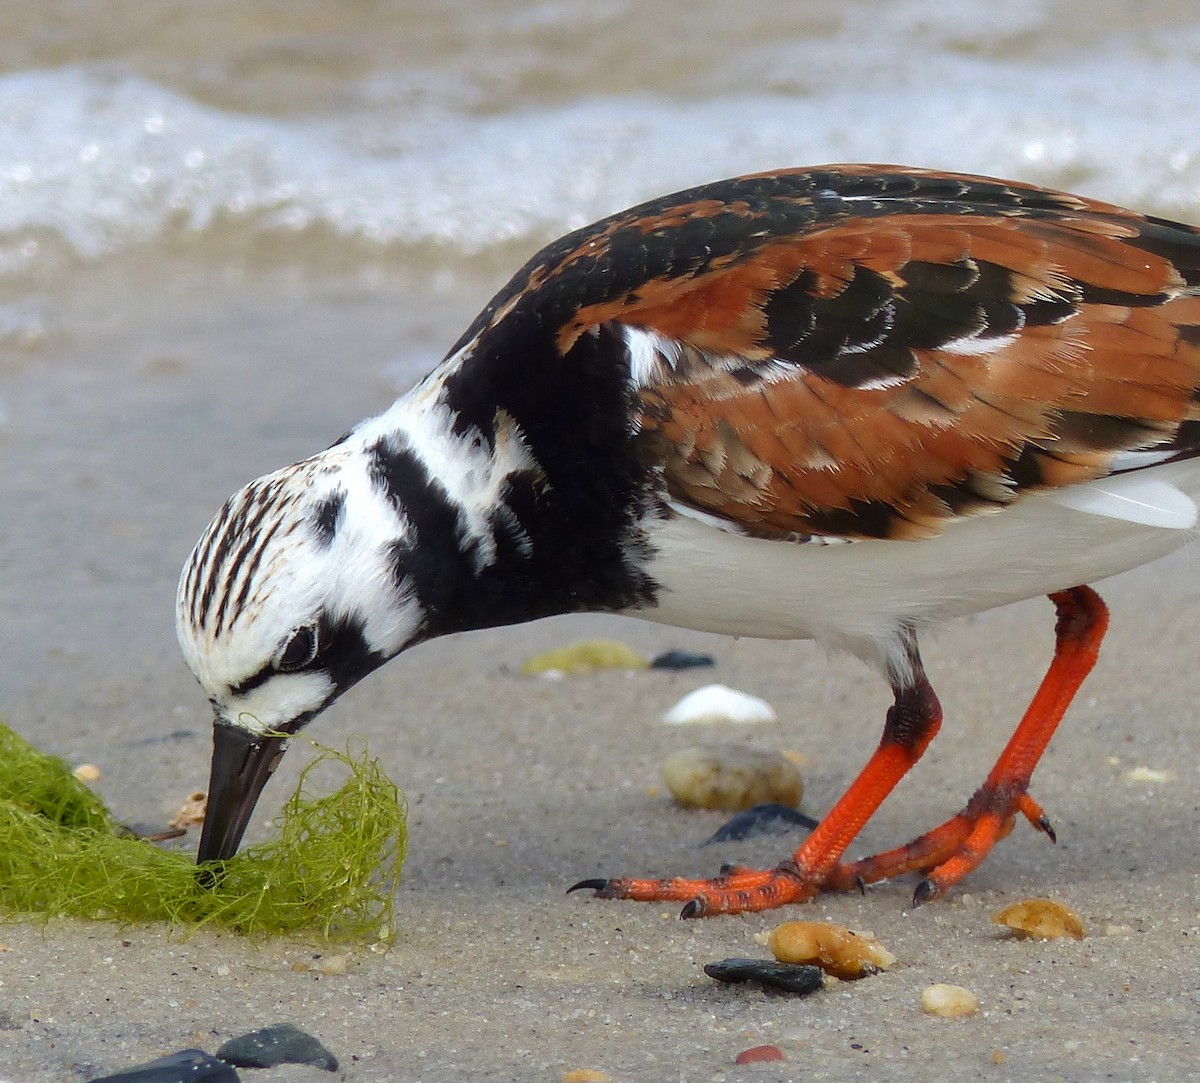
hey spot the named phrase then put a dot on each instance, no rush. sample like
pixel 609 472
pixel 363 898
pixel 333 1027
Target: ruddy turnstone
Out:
pixel 835 403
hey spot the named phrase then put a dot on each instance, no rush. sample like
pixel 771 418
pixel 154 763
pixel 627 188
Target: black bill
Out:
pixel 241 764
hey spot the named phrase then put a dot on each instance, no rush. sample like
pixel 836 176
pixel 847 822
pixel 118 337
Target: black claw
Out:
pixel 589 885
pixel 694 909
pixel 1045 826
pixel 926 890
pixel 861 884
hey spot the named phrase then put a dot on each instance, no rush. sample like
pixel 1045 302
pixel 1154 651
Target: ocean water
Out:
pixel 229 230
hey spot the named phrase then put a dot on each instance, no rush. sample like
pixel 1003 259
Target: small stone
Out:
pixel 835 949
pixel 279 1044
pixel 585 1075
pixel 682 660
pixel 585 657
pixel 333 965
pixel 186 1066
pixel 1041 919
pixel 717 703
pixel 769 819
pixel 87 773
pixel 732 777
pixel 786 977
pixel 1148 774
pixel 191 813
pixel 757 1054
pixel 949 1001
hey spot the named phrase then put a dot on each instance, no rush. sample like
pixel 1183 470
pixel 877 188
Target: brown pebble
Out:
pixel 191 812
pixel 835 949
pixel 584 1075
pixel 759 1053
pixel 732 777
pixel 1041 919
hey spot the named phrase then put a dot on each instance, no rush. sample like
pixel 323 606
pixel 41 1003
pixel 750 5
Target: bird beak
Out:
pixel 241 764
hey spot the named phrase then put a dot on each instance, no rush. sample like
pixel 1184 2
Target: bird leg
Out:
pixel 912 721
pixel 947 853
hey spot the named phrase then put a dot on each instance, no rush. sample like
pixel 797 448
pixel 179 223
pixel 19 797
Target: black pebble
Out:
pixel 768 819
pixel 280 1044
pixel 682 660
pixel 798 978
pixel 186 1066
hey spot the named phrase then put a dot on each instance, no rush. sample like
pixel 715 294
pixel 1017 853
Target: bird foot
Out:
pixel 737 890
pixel 950 851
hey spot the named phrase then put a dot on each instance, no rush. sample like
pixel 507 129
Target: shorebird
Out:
pixel 837 403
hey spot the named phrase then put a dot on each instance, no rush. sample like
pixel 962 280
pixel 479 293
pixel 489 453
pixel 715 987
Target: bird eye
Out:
pixel 297 650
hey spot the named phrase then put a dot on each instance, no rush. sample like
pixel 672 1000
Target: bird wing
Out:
pixel 874 352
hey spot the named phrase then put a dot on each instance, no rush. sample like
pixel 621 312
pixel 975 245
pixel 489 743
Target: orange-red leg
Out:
pixel 912 722
pixel 948 852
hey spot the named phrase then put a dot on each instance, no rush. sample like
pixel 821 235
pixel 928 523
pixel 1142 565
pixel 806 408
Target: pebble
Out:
pixel 835 949
pixel 192 812
pixel 718 703
pixel 1147 774
pixel 186 1066
pixel 682 660
pixel 732 777
pixel 278 1044
pixel 87 773
pixel 785 977
pixel 949 1001
pixel 585 656
pixel 771 818
pixel 757 1054
pixel 333 965
pixel 1041 919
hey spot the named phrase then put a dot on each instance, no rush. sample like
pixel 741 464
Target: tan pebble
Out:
pixel 87 773
pixel 835 949
pixel 191 812
pixel 1147 774
pixel 333 964
pixel 584 1075
pixel 731 777
pixel 949 1001
pixel 1043 919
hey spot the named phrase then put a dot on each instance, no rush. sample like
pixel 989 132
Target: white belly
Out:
pixel 856 594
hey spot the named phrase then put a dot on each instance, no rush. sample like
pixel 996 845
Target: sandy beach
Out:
pixel 520 786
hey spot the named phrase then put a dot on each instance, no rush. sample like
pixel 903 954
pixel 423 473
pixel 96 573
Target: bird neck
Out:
pixel 517 471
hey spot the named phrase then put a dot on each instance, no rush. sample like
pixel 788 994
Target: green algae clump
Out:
pixel 332 869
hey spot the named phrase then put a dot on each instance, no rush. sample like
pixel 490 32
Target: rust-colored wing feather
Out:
pixel 872 352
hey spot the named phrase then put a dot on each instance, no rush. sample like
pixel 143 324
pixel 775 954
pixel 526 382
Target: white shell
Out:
pixel 717 703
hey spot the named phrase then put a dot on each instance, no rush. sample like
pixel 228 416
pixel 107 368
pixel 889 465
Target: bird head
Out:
pixel 292 594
